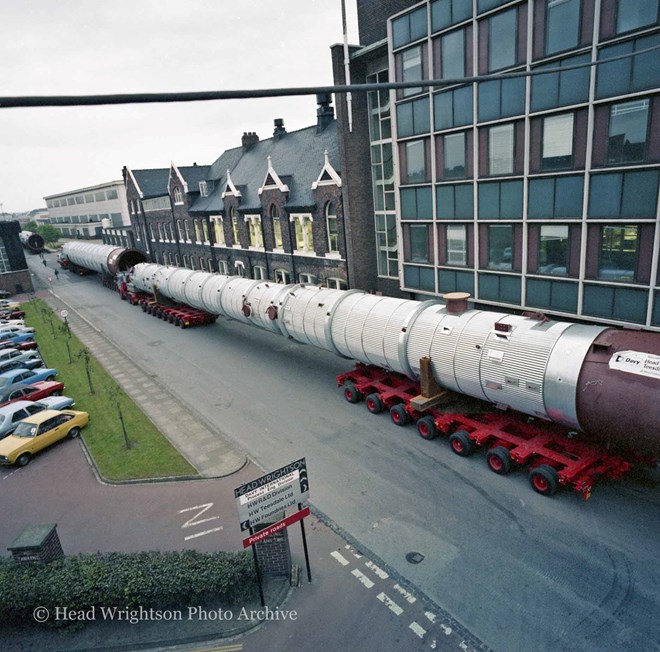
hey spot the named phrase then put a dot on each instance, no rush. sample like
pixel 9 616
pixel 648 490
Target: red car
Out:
pixel 21 346
pixel 33 392
pixel 12 314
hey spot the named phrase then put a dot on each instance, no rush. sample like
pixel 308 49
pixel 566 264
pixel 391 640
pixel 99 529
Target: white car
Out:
pixel 12 322
pixel 10 330
pixel 11 414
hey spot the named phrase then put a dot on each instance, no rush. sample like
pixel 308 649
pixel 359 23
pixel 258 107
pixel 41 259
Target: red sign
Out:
pixel 275 527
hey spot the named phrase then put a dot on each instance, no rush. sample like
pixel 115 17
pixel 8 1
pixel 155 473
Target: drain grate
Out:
pixel 414 557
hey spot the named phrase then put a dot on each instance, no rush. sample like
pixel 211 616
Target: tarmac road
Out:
pixel 521 571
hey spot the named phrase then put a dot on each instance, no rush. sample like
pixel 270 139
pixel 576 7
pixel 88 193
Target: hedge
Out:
pixel 155 580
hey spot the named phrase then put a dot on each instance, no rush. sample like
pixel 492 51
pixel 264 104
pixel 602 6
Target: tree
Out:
pixel 30 226
pixel 49 233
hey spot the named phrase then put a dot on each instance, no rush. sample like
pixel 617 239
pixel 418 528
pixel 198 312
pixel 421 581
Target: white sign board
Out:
pixel 272 493
pixel 636 362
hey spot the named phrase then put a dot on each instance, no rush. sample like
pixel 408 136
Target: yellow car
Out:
pixel 39 431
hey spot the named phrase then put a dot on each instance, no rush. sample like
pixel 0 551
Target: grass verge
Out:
pixel 133 450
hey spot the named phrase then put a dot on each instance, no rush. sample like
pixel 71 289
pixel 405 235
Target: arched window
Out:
pixel 277 226
pixel 218 230
pixel 205 230
pixel 178 196
pixel 186 262
pixel 331 221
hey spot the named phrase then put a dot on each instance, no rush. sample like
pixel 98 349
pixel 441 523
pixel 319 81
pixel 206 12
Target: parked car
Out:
pixel 11 414
pixel 39 431
pixel 6 304
pixel 24 375
pixel 18 356
pixel 30 392
pixel 17 337
pixel 12 314
pixel 55 402
pixel 7 321
pixel 15 329
pixel 10 365
pixel 27 345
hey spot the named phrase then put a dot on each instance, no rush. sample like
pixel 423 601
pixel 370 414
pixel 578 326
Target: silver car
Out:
pixel 11 414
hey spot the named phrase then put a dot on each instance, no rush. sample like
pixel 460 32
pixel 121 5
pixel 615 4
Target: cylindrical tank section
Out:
pixel 32 241
pixel 602 381
pixel 107 259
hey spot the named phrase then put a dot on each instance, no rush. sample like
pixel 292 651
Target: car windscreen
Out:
pixel 24 429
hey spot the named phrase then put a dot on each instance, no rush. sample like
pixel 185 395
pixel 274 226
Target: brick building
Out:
pixel 531 192
pixel 14 273
pixel 269 209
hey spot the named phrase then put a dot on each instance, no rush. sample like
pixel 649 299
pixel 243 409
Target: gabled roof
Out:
pixel 151 183
pixel 193 174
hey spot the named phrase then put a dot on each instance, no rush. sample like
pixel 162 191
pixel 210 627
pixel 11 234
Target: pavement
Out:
pixel 354 601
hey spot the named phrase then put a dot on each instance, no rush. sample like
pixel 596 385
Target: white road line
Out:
pixel 362 578
pixel 431 616
pixel 393 606
pixel 379 571
pixel 201 534
pixel 341 559
pixel 418 629
pixel 408 596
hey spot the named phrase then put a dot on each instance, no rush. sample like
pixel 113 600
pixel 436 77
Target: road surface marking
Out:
pixel 431 616
pixel 357 555
pixel 201 534
pixel 234 647
pixel 342 560
pixel 463 645
pixel 393 606
pixel 447 630
pixel 362 578
pixel 200 510
pixel 381 573
pixel 418 629
pixel 408 596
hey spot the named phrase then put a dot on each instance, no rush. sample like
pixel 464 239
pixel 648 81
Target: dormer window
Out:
pixel 203 189
pixel 178 196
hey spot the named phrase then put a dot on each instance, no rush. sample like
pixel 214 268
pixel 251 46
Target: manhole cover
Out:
pixel 414 557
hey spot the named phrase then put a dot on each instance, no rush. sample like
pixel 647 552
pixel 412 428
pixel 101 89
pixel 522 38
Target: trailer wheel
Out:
pixel 351 393
pixel 499 460
pixel 426 427
pixel 544 480
pixel 461 443
pixel 374 404
pixel 398 414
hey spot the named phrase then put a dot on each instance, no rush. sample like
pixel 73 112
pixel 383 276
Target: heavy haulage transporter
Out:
pixel 591 391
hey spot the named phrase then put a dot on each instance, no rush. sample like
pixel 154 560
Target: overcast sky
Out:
pixel 80 47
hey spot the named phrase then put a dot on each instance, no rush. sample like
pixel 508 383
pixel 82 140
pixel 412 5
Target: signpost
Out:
pixel 273 493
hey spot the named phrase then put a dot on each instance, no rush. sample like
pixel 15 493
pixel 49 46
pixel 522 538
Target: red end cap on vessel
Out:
pixel 618 392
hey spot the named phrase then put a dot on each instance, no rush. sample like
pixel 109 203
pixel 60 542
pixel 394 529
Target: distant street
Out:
pixel 522 572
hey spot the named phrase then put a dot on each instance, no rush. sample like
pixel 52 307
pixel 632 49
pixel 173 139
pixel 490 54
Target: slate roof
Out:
pixel 193 174
pixel 297 158
pixel 152 183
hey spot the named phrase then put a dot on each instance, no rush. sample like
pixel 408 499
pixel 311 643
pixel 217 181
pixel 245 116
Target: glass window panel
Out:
pixel 404 119
pixel 562 25
pixel 441 14
pixel 408 204
pixel 464 201
pixel 613 78
pixel 618 253
pixel 633 14
pixel 557 142
pixel 446 206
pixel 605 195
pixel 511 199
pixel 553 250
pixel 415 161
pixel 513 97
pixel 627 134
pixel 453 55
pixel 444 114
pixel 454 150
pixel 400 31
pixel 541 198
pixel 500 150
pixel 500 247
pixel 421 118
pixel 489 200
pixel 646 71
pixel 419 243
pixel 412 69
pixel 502 40
pixel 489 100
pixel 456 244
pixel 568 196
pixel 640 194
pixel 463 106
pixel 418 24
pixel 424 203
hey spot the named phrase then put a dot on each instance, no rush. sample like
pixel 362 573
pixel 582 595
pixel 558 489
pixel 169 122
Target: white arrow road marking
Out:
pixel 393 606
pixel 408 596
pixel 379 571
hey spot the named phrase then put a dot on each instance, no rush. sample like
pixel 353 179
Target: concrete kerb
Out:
pixel 233 466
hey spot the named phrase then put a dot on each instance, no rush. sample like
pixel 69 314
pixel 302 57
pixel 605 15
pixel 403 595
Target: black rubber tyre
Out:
pixel 57 392
pixel 499 460
pixel 426 427
pixel 544 480
pixel 461 443
pixel 374 404
pixel 51 378
pixel 74 432
pixel 398 414
pixel 24 459
pixel 351 393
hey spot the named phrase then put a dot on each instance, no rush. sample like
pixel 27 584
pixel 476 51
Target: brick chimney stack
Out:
pixel 325 113
pixel 249 139
pixel 279 128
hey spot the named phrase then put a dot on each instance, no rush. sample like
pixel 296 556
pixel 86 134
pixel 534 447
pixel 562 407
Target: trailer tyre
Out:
pixel 398 414
pixel 351 393
pixel 374 404
pixel 426 427
pixel 461 443
pixel 544 480
pixel 499 460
